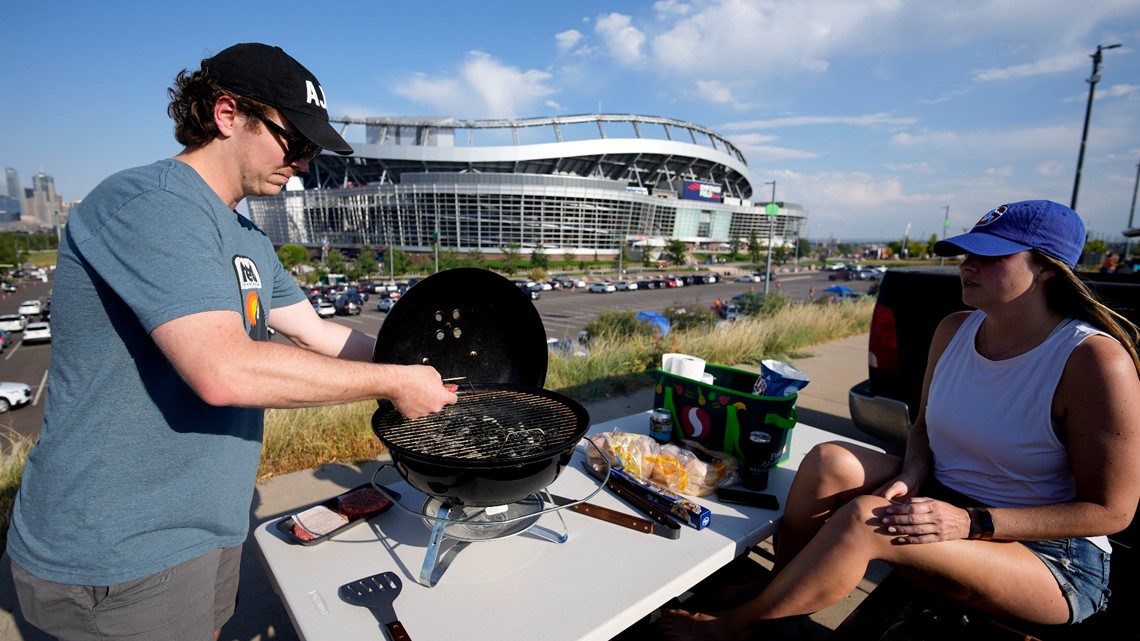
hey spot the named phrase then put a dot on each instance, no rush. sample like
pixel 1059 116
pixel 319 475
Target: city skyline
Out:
pixel 874 116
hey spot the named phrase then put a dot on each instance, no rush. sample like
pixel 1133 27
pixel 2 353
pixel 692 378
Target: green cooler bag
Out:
pixel 716 414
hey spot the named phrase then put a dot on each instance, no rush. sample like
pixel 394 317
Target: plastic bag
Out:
pixel 635 453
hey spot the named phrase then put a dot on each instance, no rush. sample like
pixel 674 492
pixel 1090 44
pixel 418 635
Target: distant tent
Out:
pixel 660 321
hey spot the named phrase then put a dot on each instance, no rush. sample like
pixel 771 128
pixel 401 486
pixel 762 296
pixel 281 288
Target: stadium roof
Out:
pixel 646 151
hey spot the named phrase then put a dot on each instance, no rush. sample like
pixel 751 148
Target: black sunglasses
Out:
pixel 296 148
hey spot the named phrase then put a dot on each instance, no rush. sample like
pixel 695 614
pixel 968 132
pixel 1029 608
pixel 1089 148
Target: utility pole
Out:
pixel 1132 212
pixel 945 227
pixel 1092 80
pixel 772 209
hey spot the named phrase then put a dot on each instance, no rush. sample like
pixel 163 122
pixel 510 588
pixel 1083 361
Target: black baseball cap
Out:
pixel 269 75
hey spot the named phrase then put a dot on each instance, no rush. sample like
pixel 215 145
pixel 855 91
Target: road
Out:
pixel 564 314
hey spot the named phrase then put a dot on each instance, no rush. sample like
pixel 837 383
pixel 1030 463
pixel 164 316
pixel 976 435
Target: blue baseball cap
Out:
pixel 1050 228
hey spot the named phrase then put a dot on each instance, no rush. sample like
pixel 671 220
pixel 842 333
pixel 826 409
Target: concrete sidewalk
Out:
pixel 833 368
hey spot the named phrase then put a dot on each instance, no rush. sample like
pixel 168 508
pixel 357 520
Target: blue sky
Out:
pixel 874 115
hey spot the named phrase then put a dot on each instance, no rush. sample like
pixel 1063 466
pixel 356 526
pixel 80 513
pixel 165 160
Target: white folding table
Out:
pixel 601 580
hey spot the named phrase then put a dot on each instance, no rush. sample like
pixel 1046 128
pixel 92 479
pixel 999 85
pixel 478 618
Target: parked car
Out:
pixel 324 309
pixel 13 322
pixel 14 395
pixel 748 278
pixel 37 333
pixel 626 286
pixel 602 288
pixel 386 304
pixel 349 304
pixel 30 308
pixel 5 340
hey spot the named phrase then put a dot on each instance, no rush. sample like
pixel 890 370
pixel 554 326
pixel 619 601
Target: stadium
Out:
pixel 582 185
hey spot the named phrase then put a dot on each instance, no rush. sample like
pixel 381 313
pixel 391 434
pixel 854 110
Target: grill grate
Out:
pixel 486 425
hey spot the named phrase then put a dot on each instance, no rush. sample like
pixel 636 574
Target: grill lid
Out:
pixel 467 323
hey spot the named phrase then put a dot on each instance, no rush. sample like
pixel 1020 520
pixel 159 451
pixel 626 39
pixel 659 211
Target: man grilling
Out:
pixel 135 502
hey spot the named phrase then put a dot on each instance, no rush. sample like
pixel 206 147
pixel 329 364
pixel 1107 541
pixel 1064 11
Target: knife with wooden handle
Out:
pixel 606 514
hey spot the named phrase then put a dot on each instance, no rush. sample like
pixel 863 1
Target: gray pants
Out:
pixel 187 602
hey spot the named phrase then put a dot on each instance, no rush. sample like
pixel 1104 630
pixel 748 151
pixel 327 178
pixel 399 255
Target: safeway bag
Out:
pixel 716 414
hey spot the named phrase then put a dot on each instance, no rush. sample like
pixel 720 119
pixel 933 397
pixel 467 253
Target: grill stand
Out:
pixel 437 560
pixel 435 564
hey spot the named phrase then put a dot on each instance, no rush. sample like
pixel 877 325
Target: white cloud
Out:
pixel 568 39
pixel 1055 64
pixel 482 88
pixel 865 120
pixel 1049 168
pixel 623 41
pixel 1000 172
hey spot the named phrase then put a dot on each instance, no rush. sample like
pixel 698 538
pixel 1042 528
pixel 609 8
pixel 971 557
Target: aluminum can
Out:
pixel 661 424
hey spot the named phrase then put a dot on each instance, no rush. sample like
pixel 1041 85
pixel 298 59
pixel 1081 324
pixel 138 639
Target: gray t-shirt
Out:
pixel 133 472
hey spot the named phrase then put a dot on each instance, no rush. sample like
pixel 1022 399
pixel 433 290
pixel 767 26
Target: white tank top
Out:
pixel 990 422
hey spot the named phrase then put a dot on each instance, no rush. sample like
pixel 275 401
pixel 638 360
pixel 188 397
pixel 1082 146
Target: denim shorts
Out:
pixel 1081 569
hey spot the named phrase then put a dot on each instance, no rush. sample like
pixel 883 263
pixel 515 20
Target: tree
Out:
pixel 675 251
pixel 448 258
pixel 843 248
pixel 292 255
pixel 754 248
pixel 538 257
pixel 780 255
pixel 510 262
pixel 804 246
pixel 475 259
pixel 400 261
pixel 734 249
pixel 366 261
pixel 646 255
pixel 335 261
pixel 568 256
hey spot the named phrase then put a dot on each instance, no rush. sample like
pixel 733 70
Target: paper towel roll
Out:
pixel 708 378
pixel 683 365
pixel 690 367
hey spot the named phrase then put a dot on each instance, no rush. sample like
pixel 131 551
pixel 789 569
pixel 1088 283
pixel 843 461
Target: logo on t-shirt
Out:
pixel 249 282
pixel 247 274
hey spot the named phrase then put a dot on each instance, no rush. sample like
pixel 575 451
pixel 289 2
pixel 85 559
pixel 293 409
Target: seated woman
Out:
pixel 1024 456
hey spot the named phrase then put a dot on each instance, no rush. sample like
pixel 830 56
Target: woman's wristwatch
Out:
pixel 981 523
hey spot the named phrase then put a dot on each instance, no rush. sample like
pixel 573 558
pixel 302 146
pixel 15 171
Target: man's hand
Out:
pixel 421 392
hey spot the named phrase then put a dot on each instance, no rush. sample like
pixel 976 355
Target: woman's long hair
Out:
pixel 1069 295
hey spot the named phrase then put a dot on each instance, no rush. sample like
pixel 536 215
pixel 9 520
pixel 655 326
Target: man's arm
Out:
pixel 218 360
pixel 301 325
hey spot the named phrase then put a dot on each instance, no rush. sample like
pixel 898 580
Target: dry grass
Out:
pixel 308 438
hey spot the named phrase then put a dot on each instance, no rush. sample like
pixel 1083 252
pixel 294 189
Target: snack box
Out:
pixel 684 509
pixel 285 525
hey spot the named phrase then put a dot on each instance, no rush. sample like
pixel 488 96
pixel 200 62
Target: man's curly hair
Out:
pixel 192 100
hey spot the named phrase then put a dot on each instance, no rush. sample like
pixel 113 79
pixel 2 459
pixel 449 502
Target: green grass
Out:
pixel 308 438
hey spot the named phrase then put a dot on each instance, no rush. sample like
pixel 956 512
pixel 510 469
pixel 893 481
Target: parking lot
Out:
pixel 564 314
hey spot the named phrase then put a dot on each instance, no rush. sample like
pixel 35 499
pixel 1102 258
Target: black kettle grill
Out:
pixel 506 438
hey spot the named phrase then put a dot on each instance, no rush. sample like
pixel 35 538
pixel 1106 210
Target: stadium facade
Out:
pixel 578 185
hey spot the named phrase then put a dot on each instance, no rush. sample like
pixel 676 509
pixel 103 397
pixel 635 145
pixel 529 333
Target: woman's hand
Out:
pixel 925 520
pixel 899 488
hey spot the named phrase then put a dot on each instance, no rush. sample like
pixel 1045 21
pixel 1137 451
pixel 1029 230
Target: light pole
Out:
pixel 1092 80
pixel 771 210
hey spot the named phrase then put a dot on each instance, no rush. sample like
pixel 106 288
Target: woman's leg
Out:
pixel 998 577
pixel 830 475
